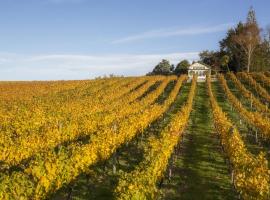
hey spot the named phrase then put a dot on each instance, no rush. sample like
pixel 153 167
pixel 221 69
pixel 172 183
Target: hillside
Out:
pixel 148 137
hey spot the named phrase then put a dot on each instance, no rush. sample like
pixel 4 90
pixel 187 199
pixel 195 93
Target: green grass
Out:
pixel 199 169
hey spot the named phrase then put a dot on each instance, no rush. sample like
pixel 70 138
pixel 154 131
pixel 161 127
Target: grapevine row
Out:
pixel 257 87
pixel 141 182
pixel 251 176
pixel 267 73
pixel 254 118
pixel 246 93
pixel 261 77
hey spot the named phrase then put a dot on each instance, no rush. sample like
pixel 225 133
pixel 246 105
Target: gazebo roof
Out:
pixel 198 66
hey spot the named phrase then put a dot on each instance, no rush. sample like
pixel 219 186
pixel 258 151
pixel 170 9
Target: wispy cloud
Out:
pixel 64 1
pixel 169 32
pixel 62 66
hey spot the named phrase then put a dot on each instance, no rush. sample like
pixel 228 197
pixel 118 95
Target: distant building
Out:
pixel 199 69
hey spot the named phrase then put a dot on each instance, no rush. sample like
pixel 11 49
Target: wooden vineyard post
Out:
pixel 256 132
pixel 232 176
pixel 251 101
pixel 69 196
pixel 114 163
pixel 115 153
pixel 170 168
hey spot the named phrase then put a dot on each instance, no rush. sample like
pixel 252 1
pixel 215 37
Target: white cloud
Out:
pixel 62 66
pixel 173 32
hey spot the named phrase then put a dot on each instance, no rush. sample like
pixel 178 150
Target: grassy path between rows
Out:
pixel 199 170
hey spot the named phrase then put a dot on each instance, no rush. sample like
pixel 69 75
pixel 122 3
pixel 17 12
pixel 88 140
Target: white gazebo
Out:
pixel 199 69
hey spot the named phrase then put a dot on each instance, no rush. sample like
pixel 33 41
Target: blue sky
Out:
pixel 79 39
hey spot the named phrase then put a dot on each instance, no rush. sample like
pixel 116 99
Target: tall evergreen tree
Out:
pixel 251 17
pixel 232 49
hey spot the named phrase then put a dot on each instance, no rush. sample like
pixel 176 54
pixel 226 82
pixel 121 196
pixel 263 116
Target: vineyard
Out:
pixel 140 138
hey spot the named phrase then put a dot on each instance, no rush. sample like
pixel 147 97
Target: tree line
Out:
pixel 165 68
pixel 246 47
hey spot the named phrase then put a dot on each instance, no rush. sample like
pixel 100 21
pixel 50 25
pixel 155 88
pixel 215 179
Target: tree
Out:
pixel 249 37
pixel 208 57
pixel 251 17
pixel 182 67
pixel 172 67
pixel 232 49
pixel 211 58
pixel 224 61
pixel 244 46
pixel 267 37
pixel 261 59
pixel 162 68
